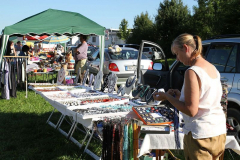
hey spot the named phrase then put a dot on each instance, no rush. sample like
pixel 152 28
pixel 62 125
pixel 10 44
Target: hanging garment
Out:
pixel 130 135
pixel 3 66
pixel 23 71
pixel 13 91
pixel 125 143
pixel 5 87
pixel 104 143
pixel 121 142
pixel 19 71
pixel 1 73
pixel 9 75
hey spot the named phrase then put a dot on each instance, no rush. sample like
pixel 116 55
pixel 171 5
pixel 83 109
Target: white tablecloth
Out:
pixel 167 141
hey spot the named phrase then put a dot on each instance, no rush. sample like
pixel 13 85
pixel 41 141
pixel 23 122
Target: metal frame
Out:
pixel 69 135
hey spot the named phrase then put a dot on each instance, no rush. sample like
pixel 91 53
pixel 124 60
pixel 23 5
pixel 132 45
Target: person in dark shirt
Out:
pixel 25 51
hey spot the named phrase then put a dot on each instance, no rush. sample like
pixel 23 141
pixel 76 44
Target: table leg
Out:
pixel 89 140
pixel 157 154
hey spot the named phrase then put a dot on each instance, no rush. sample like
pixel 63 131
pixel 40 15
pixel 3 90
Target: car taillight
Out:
pixel 150 66
pixel 150 52
pixel 113 67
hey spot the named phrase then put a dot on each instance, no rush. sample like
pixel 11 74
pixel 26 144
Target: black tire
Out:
pixel 233 118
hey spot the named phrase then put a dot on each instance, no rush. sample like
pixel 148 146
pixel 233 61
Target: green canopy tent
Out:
pixel 54 22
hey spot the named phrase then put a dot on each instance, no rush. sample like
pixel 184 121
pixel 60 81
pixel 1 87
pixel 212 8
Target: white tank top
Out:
pixel 210 120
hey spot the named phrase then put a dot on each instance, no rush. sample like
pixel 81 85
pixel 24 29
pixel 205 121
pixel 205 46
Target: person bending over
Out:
pixel 199 101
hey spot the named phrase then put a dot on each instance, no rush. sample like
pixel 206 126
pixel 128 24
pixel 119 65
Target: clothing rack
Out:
pixel 26 57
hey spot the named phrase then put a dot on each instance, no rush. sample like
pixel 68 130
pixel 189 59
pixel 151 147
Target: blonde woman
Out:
pixel 199 101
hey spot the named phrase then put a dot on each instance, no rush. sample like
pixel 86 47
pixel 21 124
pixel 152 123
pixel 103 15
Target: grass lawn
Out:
pixel 25 135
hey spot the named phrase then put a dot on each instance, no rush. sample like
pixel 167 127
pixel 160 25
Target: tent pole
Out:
pixel 101 47
pixel 4 46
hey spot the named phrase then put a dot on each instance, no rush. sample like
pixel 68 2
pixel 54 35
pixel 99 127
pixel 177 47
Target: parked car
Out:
pixel 151 53
pixel 135 46
pixel 223 53
pixel 123 64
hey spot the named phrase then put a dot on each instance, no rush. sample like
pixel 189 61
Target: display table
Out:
pixel 56 99
pixel 167 141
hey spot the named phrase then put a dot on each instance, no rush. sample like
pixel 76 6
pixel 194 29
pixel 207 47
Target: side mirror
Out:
pixel 157 66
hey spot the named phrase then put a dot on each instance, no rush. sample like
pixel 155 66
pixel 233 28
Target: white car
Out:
pixel 123 64
pixel 152 53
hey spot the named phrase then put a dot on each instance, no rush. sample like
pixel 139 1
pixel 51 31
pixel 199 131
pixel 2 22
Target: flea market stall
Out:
pixel 116 116
pixel 53 22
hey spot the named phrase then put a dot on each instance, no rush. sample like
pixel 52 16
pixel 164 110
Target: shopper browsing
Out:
pixel 199 101
pixel 18 47
pixel 81 55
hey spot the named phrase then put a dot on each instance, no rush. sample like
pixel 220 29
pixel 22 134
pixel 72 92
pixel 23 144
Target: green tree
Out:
pixel 216 17
pixel 229 17
pixel 206 16
pixel 143 29
pixel 173 19
pixel 124 32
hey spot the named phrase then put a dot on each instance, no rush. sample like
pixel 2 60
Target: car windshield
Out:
pixel 125 54
pixel 90 50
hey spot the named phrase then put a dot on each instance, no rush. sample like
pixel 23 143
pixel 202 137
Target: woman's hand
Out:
pixel 175 93
pixel 159 96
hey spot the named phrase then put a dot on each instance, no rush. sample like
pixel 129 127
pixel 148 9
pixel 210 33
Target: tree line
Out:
pixel 210 18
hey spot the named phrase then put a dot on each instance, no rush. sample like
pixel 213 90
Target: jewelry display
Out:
pixel 104 109
pixel 85 77
pixel 71 103
pixel 121 90
pixel 61 76
pixel 71 88
pixel 144 91
pixel 137 102
pixel 154 114
pixel 105 82
pixel 85 95
pixel 136 91
pixel 112 80
pixel 130 84
pixel 98 80
pixel 91 78
pixel 59 96
pixel 149 96
pixel 99 100
pixel 42 85
pixel 48 89
pixel 77 77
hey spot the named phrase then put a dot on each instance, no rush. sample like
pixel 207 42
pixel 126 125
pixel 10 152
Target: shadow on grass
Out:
pixel 28 136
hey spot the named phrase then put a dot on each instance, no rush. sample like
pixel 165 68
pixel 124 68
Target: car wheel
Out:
pixel 233 118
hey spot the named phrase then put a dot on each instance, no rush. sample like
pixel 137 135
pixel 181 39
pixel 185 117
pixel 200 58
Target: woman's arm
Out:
pixel 14 51
pixel 191 93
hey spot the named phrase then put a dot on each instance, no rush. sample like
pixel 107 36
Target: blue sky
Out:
pixel 108 13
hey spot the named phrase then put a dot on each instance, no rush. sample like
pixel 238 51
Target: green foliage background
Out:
pixel 209 18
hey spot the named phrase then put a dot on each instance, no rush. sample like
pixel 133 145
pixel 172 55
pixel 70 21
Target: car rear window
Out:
pixel 125 54
pixel 145 49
